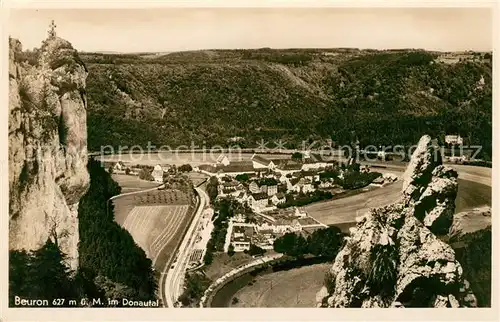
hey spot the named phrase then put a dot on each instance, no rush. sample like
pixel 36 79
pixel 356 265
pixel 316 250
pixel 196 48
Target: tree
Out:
pixel 196 284
pixel 145 174
pixel 185 168
pixel 383 275
pixel 242 177
pixel 325 242
pixel 18 274
pixel 110 170
pixel 291 244
pixel 235 300
pixel 297 156
pixel 212 188
pixel 42 274
pixel 255 250
pixel 230 250
pixel 208 258
pixel 127 171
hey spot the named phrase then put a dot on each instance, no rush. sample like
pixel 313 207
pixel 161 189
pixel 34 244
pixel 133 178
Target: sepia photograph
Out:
pixel 250 157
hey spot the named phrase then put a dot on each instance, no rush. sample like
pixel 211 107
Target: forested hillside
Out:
pixel 386 97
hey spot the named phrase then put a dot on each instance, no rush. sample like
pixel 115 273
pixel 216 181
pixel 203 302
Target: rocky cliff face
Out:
pixel 47 145
pixel 395 256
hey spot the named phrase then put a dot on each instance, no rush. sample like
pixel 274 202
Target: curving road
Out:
pixel 474 189
pixel 172 287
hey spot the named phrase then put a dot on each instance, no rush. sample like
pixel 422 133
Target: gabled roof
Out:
pixel 239 166
pixel 289 165
pixel 231 184
pixel 221 157
pixel 261 160
pixel 259 196
pixel 207 167
pixel 308 173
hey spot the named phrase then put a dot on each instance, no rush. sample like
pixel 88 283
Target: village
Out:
pixel 273 191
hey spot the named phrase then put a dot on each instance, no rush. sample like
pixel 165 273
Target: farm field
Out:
pixel 123 205
pixel 156 220
pixel 153 227
pixel 292 288
pixel 130 183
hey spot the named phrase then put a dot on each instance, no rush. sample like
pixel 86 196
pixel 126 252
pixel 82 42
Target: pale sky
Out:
pixel 175 29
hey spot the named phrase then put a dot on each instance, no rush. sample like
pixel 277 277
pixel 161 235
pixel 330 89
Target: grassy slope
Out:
pixel 290 94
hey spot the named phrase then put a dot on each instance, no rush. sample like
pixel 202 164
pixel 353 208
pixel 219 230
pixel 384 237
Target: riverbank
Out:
pixel 220 282
pixel 223 293
pixel 296 287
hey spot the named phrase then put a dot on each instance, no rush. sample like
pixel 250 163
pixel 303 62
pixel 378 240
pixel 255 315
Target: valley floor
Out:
pixel 293 288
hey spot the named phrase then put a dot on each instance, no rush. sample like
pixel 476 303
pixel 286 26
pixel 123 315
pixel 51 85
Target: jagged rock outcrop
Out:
pixel 47 145
pixel 394 257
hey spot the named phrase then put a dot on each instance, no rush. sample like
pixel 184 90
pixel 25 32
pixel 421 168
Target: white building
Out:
pixel 272 190
pixel 223 159
pixel 314 166
pixel 119 166
pixel 240 236
pixel 254 187
pixel 258 200
pixel 304 185
pixel 157 174
pixel 262 163
pixel 454 139
pixel 278 198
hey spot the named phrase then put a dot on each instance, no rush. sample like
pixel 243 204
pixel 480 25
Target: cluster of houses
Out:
pixel 263 234
pixel 269 181
pixel 265 192
pixel 157 172
pixel 258 164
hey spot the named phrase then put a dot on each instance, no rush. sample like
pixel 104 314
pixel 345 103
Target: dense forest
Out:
pixel 385 97
pixel 325 243
pixel 43 275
